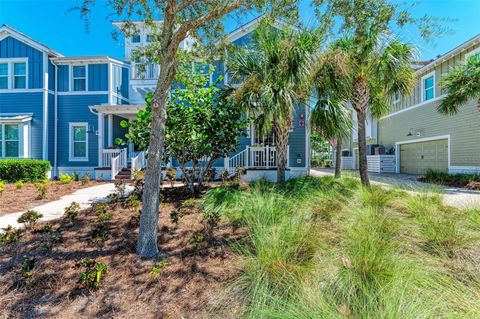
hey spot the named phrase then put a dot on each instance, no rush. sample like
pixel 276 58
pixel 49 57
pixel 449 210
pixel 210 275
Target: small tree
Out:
pixel 202 127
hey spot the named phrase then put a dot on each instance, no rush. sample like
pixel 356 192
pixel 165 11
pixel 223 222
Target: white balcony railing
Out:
pixel 150 71
pixel 263 157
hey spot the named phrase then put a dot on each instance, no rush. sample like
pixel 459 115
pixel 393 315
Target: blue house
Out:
pixel 68 110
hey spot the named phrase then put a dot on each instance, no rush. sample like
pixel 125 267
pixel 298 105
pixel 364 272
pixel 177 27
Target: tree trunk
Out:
pixel 281 138
pixel 338 159
pixel 147 236
pixel 360 98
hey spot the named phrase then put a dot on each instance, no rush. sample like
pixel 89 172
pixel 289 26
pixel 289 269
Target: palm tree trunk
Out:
pixel 360 98
pixel 147 236
pixel 338 159
pixel 281 138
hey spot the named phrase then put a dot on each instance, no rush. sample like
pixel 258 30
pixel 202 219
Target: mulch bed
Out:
pixel 190 286
pixel 14 200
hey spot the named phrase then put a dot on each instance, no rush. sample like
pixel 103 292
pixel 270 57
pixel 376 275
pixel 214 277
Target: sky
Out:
pixel 56 24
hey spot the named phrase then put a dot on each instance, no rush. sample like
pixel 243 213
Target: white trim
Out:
pixel 89 60
pixel 473 52
pixel 21 90
pixel 84 92
pixel 22 138
pixel 419 140
pixel 71 158
pixel 426 76
pixel 101 129
pixel 45 108
pixel 6 30
pixel 414 106
pixel 110 83
pixel 55 124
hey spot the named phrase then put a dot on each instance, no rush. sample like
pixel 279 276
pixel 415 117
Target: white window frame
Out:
pixel 431 74
pixel 21 140
pixel 10 76
pixel 473 52
pixel 72 79
pixel 139 38
pixel 71 158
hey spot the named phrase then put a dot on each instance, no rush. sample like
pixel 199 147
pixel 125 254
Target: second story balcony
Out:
pixel 149 71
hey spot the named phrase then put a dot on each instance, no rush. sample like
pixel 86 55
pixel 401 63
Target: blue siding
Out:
pixel 22 103
pixel 219 70
pixel 125 80
pixel 63 77
pixel 297 138
pixel 120 82
pixel 51 76
pixel 98 77
pixel 74 108
pixel 51 127
pixel 12 48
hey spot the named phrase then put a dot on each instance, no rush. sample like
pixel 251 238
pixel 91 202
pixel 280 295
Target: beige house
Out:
pixel 414 137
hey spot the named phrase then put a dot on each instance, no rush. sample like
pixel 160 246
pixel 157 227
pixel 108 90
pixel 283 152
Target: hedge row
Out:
pixel 26 170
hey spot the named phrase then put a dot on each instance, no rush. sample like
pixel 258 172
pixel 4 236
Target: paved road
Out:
pixel 452 196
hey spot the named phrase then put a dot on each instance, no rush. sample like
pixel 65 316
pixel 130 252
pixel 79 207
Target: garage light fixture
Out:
pixel 413 133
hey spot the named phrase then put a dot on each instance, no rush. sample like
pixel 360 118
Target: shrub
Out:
pixel 10 235
pixel 26 270
pixel 457 180
pixel 71 211
pixel 19 184
pixel 67 179
pixel 91 277
pixel 101 209
pixel 157 269
pixel 138 182
pixel 121 188
pixel 224 175
pixel 2 187
pixel 171 175
pixel 132 202
pixel 41 190
pixel 29 218
pixel 27 170
pixel 85 179
pixel 99 234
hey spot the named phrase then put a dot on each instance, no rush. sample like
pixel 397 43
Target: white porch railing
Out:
pixel 138 162
pixel 263 157
pixel 108 154
pixel 118 162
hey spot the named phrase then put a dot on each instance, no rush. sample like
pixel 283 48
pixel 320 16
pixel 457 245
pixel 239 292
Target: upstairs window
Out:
pixel 79 78
pixel 3 75
pixel 149 38
pixel 136 38
pixel 19 75
pixel 428 83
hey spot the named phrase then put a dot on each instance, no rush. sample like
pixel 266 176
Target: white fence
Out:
pixel 347 162
pixel 108 154
pixel 263 157
pixel 138 162
pixel 381 163
pixel 119 162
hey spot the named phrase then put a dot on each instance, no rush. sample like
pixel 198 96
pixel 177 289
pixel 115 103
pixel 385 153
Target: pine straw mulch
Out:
pixel 14 200
pixel 188 287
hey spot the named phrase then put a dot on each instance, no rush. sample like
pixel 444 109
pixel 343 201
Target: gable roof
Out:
pixel 250 26
pixel 6 30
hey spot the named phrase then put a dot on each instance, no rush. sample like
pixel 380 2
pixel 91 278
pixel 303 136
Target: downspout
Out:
pixel 55 124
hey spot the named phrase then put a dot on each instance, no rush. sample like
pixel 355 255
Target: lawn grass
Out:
pixel 328 248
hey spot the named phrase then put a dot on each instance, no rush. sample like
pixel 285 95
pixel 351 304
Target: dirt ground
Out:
pixel 190 285
pixel 14 200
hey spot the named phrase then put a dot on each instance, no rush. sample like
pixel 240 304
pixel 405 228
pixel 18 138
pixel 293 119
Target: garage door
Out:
pixel 417 158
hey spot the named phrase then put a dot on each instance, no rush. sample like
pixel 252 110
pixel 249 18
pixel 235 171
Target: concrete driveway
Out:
pixel 452 196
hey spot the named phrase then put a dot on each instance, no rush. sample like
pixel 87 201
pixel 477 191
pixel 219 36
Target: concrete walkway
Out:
pixel 55 209
pixel 452 196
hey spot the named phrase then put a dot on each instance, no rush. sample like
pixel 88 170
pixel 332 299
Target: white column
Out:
pixel 100 138
pixel 110 130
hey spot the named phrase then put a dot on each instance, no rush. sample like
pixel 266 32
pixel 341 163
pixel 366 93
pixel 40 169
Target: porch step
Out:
pixel 124 175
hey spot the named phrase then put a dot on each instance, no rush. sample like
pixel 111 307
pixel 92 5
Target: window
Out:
pixel 78 142
pixel 19 75
pixel 136 38
pixel 475 53
pixel 10 142
pixel 149 38
pixel 79 76
pixel 396 97
pixel 3 75
pixel 428 83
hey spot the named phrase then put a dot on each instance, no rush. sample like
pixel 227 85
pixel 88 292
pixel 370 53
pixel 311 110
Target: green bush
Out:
pixel 26 170
pixel 91 277
pixel 67 179
pixel 2 187
pixel 19 184
pixel 29 218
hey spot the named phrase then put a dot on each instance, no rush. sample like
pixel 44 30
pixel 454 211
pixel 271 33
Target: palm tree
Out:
pixel 330 116
pixel 380 66
pixel 275 73
pixel 461 85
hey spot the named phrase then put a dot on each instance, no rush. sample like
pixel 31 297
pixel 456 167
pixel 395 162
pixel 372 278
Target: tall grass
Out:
pixel 327 248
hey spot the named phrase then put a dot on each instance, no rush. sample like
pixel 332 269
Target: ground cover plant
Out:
pixel 470 181
pixel 328 248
